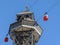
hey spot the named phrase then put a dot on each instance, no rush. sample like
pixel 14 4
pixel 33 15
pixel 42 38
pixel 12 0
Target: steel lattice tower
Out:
pixel 25 31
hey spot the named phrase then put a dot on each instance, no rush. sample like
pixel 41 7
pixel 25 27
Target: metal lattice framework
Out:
pixel 25 31
pixel 23 38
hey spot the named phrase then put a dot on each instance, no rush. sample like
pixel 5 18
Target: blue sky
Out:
pixel 51 28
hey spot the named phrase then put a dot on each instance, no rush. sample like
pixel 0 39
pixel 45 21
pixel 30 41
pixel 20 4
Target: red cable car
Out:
pixel 45 18
pixel 6 39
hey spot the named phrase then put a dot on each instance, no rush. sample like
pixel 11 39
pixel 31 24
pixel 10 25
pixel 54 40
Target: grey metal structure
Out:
pixel 25 31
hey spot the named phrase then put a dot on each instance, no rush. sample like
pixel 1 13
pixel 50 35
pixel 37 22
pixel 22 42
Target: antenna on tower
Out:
pixel 27 8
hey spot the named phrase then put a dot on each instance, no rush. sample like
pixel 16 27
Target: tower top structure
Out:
pixel 25 31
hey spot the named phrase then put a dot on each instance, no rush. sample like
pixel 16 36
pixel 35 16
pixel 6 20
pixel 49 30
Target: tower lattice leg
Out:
pixel 24 38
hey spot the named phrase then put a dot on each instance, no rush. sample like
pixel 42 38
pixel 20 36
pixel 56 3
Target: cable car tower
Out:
pixel 25 31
